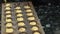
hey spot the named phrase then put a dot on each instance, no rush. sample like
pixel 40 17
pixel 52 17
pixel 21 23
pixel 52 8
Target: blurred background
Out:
pixel 48 12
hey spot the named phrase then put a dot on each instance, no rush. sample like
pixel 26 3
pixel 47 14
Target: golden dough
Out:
pixel 32 23
pixel 31 18
pixel 18 11
pixel 8 15
pixel 29 14
pixel 20 19
pixel 26 7
pixel 9 25
pixel 19 15
pixel 34 28
pixel 7 8
pixel 8 20
pixel 8 4
pixel 10 30
pixel 8 11
pixel 29 10
pixel 21 24
pixel 17 8
pixel 22 29
pixel 36 33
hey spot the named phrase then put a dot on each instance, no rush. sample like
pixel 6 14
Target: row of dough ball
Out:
pixel 8 4
pixel 11 30
pixel 20 24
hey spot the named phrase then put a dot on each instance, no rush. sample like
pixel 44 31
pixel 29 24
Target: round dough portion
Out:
pixel 29 10
pixel 31 18
pixel 18 11
pixel 29 14
pixel 8 4
pixel 9 25
pixel 10 30
pixel 18 8
pixel 19 15
pixel 20 19
pixel 22 29
pixel 36 33
pixel 26 7
pixel 8 20
pixel 7 8
pixel 8 16
pixel 8 12
pixel 21 24
pixel 34 28
pixel 32 23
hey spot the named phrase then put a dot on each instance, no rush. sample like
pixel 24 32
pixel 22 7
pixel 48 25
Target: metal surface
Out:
pixel 26 21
